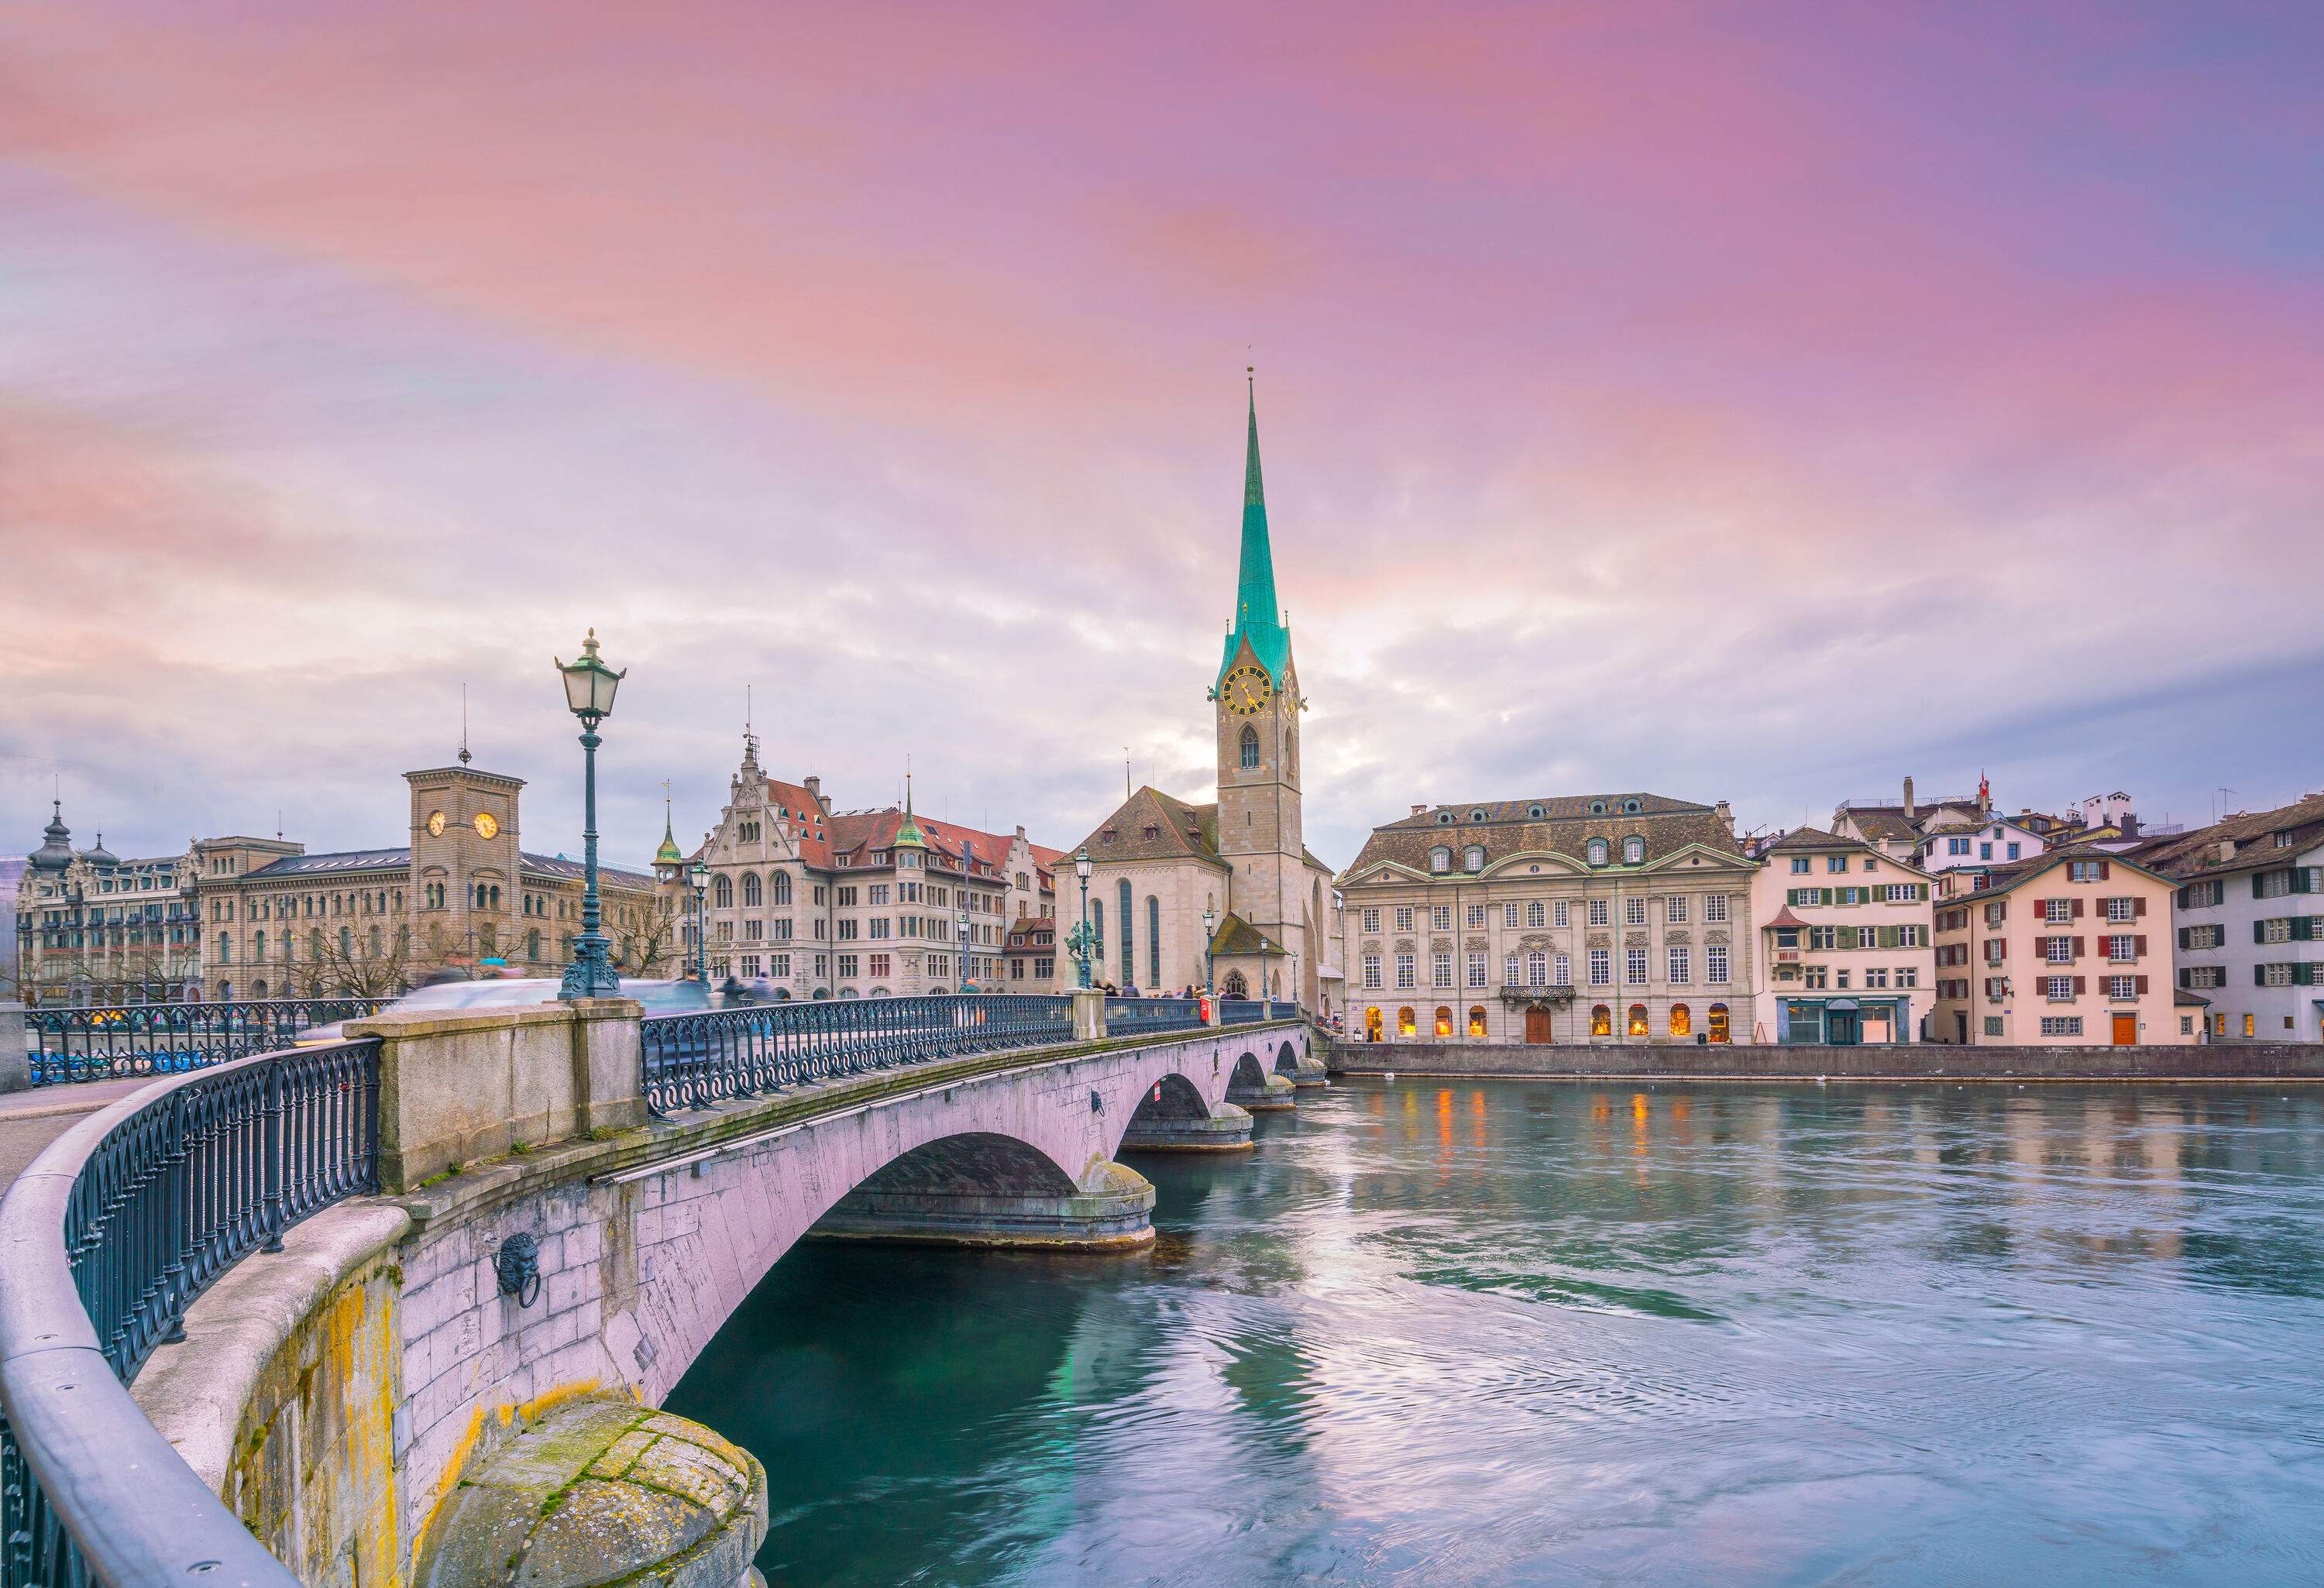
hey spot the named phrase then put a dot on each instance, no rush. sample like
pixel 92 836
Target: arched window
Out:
pixel 1250 748
pixel 1372 1025
pixel 1234 986
pixel 1097 932
pixel 1597 852
pixel 1128 958
pixel 314 943
pixel 1405 1024
pixel 1634 851
pixel 1476 1019
pixel 1681 1020
pixel 1637 1026
pixel 1601 1020
pixel 374 943
pixel 722 892
pixel 1720 1030
pixel 1153 941
pixel 781 884
pixel 1537 968
pixel 752 896
pixel 1476 857
pixel 260 953
pixel 225 991
pixel 1443 1021
pixel 258 988
pixel 1440 859
pixel 346 943
pixel 532 946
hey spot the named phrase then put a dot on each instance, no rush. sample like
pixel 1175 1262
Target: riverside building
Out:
pixel 2247 920
pixel 1568 919
pixel 1847 942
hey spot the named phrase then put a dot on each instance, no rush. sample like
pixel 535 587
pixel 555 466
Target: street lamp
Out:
pixel 589 686
pixel 1209 936
pixel 1082 870
pixel 698 875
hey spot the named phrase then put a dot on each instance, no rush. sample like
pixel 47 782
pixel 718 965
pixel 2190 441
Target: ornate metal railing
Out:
pixel 1129 1016
pixel 108 1041
pixel 704 1057
pixel 104 1242
pixel 1235 1012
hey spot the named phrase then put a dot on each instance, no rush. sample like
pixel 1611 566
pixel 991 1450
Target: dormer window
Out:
pixel 1597 808
pixel 1476 815
pixel 1476 857
pixel 1440 859
pixel 1535 811
pixel 1634 850
pixel 1632 807
pixel 1152 831
pixel 1597 852
pixel 1444 818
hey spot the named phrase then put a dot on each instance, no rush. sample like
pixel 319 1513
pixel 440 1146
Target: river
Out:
pixel 1561 1332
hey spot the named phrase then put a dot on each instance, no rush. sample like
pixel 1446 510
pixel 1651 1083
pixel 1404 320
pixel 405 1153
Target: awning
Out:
pixel 1845 1005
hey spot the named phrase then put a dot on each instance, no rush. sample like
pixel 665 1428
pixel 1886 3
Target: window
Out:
pixel 1440 859
pixel 1442 967
pixel 1404 917
pixel 1956 846
pixel 1371 920
pixel 2013 849
pixel 1128 960
pixel 1875 978
pixel 1476 1019
pixel 1634 912
pixel 1714 909
pixel 1601 1020
pixel 1509 915
pixel 1443 1021
pixel 2057 911
pixel 2057 1025
pixel 1371 970
pixel 722 892
pixel 1440 917
pixel 2058 950
pixel 2085 871
pixel 1674 909
pixel 1558 912
pixel 1598 917
pixel 1993 1025
pixel 1634 851
pixel 1799 865
pixel 1823 937
pixel 1509 970
pixel 1835 862
pixel 1476 918
pixel 1634 964
pixel 1908 975
pixel 1637 1024
pixel 2058 989
pixel 1249 749
pixel 1601 971
pixel 2122 986
pixel 1406 970
pixel 1153 941
pixel 1404 1025
pixel 1597 852
pixel 1537 969
pixel 2123 946
pixel 1476 969
pixel 2202 895
pixel 1714 963
pixel 1476 857
pixel 1722 1028
pixel 1681 1020
pixel 1681 968
pixel 751 895
pixel 1536 913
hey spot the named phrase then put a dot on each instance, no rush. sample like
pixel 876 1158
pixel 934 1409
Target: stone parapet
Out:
pixel 15 1062
pixel 1916 1061
pixel 458 1087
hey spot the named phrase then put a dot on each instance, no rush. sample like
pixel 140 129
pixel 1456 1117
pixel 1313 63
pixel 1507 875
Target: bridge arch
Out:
pixel 1287 1060
pixel 1249 1073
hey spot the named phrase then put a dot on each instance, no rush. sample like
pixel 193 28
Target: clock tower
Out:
pixel 1258 707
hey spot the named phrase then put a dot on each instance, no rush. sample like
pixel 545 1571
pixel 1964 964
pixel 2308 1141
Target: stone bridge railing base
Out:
pixel 1113 1211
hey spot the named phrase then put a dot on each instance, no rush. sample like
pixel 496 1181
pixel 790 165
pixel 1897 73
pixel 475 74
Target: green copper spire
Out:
pixel 907 832
pixel 1258 616
pixel 668 854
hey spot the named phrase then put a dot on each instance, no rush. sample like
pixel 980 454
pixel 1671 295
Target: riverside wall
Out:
pixel 1917 1061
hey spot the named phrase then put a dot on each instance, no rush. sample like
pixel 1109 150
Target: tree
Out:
pixel 365 968
pixel 649 945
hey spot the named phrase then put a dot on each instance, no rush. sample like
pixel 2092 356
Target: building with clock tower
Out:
pixel 1158 863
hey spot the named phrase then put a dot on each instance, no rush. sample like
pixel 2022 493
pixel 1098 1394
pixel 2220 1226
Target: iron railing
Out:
pixel 1127 1017
pixel 1236 1011
pixel 106 1241
pixel 103 1042
pixel 707 1056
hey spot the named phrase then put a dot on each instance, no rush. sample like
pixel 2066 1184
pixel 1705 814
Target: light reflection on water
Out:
pixel 1548 1332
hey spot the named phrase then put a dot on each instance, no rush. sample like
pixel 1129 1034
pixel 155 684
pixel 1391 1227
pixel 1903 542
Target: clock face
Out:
pixel 1247 690
pixel 436 823
pixel 487 824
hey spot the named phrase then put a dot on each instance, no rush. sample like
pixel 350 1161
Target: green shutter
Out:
pixel 2259 931
pixel 2259 975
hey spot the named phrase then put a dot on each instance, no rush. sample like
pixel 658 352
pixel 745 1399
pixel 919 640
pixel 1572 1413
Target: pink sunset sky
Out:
pixel 1756 402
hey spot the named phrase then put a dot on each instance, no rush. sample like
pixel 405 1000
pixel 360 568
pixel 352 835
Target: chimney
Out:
pixel 1911 810
pixel 1726 816
pixel 1420 811
pixel 815 792
pixel 2129 825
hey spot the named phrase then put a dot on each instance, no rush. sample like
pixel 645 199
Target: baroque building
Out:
pixel 1596 917
pixel 825 903
pixel 93 928
pixel 1159 864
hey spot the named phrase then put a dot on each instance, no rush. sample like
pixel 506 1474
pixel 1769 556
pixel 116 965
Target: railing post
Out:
pixel 15 1062
pixel 270 1149
pixel 1089 1014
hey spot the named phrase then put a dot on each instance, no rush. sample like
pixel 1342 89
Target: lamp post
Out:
pixel 967 865
pixel 1209 936
pixel 1082 870
pixel 698 875
pixel 589 686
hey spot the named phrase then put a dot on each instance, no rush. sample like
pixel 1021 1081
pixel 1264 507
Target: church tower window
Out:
pixel 1250 748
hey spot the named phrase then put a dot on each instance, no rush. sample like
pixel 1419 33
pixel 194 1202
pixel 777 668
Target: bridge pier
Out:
pixel 1225 1129
pixel 1254 1086
pixel 1111 1210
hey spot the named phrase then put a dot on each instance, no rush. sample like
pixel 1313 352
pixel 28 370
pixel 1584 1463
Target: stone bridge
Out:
pixel 379 1401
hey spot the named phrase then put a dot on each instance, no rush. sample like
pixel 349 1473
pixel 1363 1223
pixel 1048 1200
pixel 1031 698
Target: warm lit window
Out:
pixel 1405 1025
pixel 1443 1021
pixel 1476 1019
pixel 1637 1025
pixel 1373 1024
pixel 1681 1020
pixel 1721 1025
pixel 1601 1020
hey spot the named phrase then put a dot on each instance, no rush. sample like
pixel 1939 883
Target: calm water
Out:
pixel 1510 1333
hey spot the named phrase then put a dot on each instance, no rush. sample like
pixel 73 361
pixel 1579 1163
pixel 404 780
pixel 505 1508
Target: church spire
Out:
pixel 1257 616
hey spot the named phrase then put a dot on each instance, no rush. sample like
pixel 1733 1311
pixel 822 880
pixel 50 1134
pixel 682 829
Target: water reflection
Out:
pixel 1511 1333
